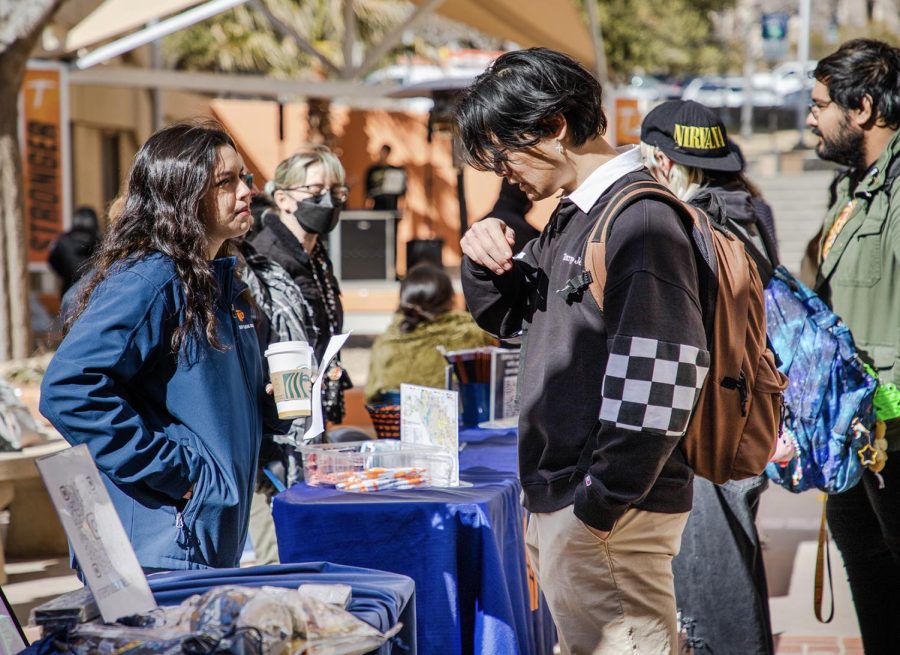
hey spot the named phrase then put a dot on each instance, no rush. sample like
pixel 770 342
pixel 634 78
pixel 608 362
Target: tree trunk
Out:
pixel 319 117
pixel 15 324
pixel 21 22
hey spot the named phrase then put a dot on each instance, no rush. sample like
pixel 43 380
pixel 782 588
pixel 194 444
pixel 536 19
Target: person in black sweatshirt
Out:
pixel 605 397
pixel 71 253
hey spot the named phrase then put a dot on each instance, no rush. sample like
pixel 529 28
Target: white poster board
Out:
pixel 95 531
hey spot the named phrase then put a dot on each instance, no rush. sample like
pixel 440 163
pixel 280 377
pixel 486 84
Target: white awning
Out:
pixel 529 23
pixel 557 24
pixel 115 17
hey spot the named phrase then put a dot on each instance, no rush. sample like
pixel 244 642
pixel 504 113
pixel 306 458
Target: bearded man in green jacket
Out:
pixel 855 112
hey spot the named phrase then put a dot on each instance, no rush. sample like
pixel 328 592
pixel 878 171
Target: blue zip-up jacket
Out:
pixel 156 424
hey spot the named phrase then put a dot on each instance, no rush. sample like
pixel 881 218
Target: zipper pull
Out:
pixel 179 521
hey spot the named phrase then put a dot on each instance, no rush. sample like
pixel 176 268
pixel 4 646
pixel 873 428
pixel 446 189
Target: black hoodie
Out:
pixel 580 439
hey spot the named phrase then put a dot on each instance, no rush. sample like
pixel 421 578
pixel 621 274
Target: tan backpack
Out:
pixel 735 423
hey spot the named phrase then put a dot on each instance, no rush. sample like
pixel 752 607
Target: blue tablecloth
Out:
pixel 493 450
pixel 464 547
pixel 380 599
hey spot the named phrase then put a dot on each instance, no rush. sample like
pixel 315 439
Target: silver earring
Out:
pixel 559 147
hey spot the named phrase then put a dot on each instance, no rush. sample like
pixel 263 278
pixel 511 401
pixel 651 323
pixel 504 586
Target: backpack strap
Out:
pixel 763 260
pixel 823 559
pixel 593 276
pixel 576 286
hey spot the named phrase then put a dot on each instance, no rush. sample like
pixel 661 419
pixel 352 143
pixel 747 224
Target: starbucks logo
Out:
pixel 297 385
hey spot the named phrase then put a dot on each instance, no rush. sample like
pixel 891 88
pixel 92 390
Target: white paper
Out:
pixel 317 424
pixel 431 416
pixel 110 567
pixel 333 594
pixel 10 639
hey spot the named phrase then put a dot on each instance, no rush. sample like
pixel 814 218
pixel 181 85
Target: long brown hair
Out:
pixel 167 209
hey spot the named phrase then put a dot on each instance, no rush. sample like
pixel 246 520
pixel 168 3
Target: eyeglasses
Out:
pixel 338 193
pixel 501 161
pixel 815 107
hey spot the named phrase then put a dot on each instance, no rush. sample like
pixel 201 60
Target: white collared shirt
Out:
pixel 627 161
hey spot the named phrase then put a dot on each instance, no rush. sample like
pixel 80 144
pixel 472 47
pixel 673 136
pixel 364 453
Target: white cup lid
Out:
pixel 286 347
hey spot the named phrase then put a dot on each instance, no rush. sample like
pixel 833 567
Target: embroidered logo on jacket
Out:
pixel 241 315
pixel 652 385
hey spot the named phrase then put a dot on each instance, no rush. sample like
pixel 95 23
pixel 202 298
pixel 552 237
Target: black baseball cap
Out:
pixel 689 133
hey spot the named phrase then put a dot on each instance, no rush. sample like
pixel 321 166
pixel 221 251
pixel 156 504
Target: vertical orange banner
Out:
pixel 628 121
pixel 42 154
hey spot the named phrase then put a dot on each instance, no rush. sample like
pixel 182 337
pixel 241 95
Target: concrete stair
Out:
pixel 799 202
pixel 794 613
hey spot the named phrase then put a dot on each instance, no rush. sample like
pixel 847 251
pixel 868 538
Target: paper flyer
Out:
pixel 431 416
pixel 317 424
pixel 92 525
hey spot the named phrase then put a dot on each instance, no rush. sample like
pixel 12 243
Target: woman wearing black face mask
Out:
pixel 309 193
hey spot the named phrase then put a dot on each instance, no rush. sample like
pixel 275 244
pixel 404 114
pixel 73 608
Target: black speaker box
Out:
pixel 424 250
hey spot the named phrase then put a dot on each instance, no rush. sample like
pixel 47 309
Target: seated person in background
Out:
pixel 408 351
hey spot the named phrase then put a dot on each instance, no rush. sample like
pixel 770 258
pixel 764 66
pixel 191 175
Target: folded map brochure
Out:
pixel 498 367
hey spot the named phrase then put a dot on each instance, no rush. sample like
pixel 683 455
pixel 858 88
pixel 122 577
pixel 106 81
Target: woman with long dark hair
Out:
pixel 160 374
pixel 408 351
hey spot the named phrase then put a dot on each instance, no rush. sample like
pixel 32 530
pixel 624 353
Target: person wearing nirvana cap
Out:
pixel 692 135
pixel 602 412
pixel 686 147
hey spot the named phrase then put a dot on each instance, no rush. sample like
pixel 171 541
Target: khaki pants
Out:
pixel 262 530
pixel 612 597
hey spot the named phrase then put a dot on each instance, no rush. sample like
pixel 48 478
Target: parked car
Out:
pixel 727 92
pixel 787 78
pixel 647 87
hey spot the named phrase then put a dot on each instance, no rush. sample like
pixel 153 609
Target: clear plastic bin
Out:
pixel 379 465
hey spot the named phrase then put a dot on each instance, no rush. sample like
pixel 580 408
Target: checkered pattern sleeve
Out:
pixel 657 362
pixel 652 385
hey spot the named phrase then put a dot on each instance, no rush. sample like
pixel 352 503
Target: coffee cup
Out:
pixel 290 370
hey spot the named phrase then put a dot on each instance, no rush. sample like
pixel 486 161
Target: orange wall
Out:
pixel 431 209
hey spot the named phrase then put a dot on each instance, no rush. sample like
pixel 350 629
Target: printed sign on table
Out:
pixel 95 531
pixel 431 416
